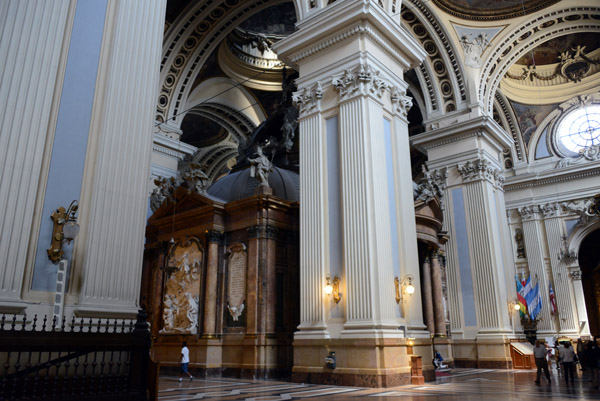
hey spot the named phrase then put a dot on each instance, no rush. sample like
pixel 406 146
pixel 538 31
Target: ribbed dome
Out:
pixel 239 185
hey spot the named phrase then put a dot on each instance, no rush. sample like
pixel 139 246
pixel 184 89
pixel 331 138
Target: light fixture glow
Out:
pixel 410 289
pixel 517 307
pixel 328 289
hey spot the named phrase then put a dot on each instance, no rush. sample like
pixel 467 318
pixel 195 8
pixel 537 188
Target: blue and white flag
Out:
pixel 534 302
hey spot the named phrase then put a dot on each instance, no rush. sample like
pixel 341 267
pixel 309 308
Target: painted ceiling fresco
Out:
pixel 491 9
pixel 549 52
pixel 529 117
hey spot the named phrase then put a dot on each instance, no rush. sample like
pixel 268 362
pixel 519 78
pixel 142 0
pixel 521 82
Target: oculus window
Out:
pixel 580 129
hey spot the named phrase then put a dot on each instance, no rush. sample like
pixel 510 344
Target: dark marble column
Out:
pixel 271 279
pixel 213 240
pixel 438 301
pixel 252 280
pixel 426 295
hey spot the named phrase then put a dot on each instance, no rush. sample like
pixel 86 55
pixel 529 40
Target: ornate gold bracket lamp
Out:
pixel 333 288
pixel 404 286
pixel 65 229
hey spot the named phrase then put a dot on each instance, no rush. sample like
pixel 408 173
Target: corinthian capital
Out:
pixel 401 102
pixel 307 99
pixel 362 80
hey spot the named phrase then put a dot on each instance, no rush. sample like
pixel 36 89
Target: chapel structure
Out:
pixel 329 191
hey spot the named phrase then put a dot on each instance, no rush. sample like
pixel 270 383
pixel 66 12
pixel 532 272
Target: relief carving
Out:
pixel 361 81
pixel 308 99
pixel 182 289
pixel 520 244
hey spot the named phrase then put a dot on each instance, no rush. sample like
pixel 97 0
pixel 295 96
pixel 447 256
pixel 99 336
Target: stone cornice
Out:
pixel 482 126
pixel 173 144
pixel 358 17
pixel 551 177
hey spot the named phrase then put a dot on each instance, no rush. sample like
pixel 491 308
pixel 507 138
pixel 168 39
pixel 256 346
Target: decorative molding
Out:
pixel 361 81
pixel 401 102
pixel 357 29
pixel 481 169
pixel 448 48
pixel 214 236
pixel 263 231
pixel 575 274
pixel 549 210
pixel 308 99
pixel 528 212
pixel 535 181
pixel 591 154
pixel 431 186
pixel 541 29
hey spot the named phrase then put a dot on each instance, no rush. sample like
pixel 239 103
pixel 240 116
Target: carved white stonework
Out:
pixel 580 101
pixel 401 102
pixel 583 207
pixel 432 185
pixel 481 169
pixel 550 210
pixel 308 99
pixel 192 176
pixel 361 81
pixel 591 153
pixel 575 274
pixel 473 48
pixel 528 212
pixel 182 289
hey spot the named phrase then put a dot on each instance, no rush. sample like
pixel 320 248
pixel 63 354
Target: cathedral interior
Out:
pixel 320 191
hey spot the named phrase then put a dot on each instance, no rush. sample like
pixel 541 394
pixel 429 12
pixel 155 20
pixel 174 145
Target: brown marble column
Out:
pixel 270 279
pixel 426 295
pixel 438 301
pixel 213 240
pixel 252 304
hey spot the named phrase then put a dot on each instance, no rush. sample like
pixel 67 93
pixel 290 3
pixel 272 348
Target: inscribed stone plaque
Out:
pixel 236 285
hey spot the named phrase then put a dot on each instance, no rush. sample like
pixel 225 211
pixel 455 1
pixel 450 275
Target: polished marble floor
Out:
pixel 455 385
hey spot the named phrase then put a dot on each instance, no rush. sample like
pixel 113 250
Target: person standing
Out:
pixel 568 361
pixel 591 357
pixel 539 353
pixel 184 360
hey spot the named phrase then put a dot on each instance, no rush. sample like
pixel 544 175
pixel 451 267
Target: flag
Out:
pixel 534 302
pixel 521 298
pixel 527 288
pixel 552 301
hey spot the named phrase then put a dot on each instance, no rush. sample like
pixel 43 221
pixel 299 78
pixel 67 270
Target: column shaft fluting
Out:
pixel 426 295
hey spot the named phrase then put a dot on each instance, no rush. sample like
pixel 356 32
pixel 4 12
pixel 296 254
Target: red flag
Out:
pixel 552 301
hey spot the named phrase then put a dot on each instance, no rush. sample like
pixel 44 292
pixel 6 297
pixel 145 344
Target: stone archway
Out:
pixel 589 261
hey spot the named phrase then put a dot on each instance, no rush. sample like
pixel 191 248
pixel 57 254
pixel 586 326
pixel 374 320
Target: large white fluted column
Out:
pixel 533 237
pixel 583 322
pixel 367 245
pixel 32 34
pixel 313 245
pixel 488 263
pixel 567 312
pixel 114 201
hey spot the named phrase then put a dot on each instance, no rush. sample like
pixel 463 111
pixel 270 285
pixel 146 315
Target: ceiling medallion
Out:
pixel 489 10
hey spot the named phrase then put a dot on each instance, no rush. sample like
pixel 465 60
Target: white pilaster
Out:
pixel 567 312
pixel 114 200
pixel 582 323
pixel 533 237
pixel 313 245
pixel 32 34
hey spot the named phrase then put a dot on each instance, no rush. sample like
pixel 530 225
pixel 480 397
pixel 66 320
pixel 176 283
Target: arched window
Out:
pixel 580 128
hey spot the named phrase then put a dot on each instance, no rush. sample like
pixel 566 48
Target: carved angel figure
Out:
pixel 235 311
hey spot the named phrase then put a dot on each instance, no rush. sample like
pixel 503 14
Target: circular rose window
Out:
pixel 580 129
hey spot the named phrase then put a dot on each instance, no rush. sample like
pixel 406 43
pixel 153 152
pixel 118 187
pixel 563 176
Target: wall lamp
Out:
pixel 404 286
pixel 513 305
pixel 65 229
pixel 333 287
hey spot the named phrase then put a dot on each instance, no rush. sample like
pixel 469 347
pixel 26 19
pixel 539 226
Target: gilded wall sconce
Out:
pixel 404 286
pixel 65 229
pixel 333 288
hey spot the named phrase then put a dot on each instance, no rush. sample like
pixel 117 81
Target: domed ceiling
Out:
pixel 491 9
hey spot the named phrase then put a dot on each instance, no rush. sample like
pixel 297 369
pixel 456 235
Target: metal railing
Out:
pixel 83 359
